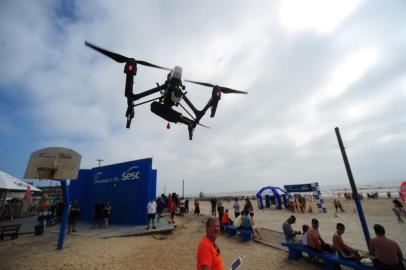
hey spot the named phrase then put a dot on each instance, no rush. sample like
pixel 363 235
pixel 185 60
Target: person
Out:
pixel 386 251
pixel 208 253
pixel 197 207
pixel 59 211
pixel 220 209
pixel 310 209
pixel 288 232
pixel 98 213
pixel 171 210
pixel 305 228
pixel 314 239
pixel 159 208
pixel 236 206
pixel 226 218
pixel 151 210
pixel 213 203
pixel 106 214
pixel 255 231
pixel 343 250
pixel 73 215
pixel 398 209
pixel 248 206
pixel 182 206
pixel 187 205
pixel 340 206
pixel 335 205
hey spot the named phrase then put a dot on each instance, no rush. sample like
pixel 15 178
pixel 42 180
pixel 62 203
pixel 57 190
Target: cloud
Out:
pixel 308 68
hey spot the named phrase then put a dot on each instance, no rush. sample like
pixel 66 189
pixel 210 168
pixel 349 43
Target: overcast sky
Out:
pixel 309 66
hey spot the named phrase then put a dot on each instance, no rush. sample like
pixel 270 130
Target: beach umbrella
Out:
pixel 9 182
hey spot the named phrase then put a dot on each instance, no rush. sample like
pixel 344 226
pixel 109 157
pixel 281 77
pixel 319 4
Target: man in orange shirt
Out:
pixel 208 253
pixel 386 251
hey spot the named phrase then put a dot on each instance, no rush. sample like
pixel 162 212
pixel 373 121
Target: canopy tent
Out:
pixel 12 184
pixel 280 197
pixel 9 182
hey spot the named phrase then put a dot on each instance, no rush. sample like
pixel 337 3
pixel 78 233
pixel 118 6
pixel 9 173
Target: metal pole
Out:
pixel 354 189
pixel 62 229
pixel 183 188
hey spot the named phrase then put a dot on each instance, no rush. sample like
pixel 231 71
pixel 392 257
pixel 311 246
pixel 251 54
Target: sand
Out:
pixel 178 250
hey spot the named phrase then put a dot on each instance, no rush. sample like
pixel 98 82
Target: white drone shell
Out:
pixel 177 73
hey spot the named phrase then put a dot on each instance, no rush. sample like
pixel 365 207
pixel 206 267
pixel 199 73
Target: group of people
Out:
pixel 101 214
pixel 386 252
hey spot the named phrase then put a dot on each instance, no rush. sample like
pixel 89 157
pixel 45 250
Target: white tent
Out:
pixel 11 183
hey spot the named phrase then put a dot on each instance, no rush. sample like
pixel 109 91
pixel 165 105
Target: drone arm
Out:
pixel 189 103
pixel 148 92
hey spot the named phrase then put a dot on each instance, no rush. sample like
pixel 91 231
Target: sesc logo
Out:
pixel 131 174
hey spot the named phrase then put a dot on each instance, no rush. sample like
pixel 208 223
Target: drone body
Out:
pixel 171 93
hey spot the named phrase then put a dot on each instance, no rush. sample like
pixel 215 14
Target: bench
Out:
pixel 9 230
pixel 330 260
pixel 244 234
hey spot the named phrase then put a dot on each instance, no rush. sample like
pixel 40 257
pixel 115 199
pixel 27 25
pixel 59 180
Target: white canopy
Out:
pixel 12 183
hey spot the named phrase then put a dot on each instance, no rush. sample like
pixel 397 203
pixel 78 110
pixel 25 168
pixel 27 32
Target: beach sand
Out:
pixel 178 250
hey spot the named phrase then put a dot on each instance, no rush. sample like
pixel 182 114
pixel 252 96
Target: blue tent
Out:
pixel 279 194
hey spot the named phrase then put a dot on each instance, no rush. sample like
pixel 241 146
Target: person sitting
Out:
pixel 305 228
pixel 344 251
pixel 289 233
pixel 386 251
pixel 314 239
pixel 226 218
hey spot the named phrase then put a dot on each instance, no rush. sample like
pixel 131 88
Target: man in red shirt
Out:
pixel 386 251
pixel 208 254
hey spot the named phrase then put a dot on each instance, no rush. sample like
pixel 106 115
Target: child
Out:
pixel 304 235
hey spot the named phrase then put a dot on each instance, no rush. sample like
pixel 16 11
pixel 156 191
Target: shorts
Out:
pixel 151 216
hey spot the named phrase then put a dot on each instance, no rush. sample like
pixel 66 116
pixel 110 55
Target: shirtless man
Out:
pixel 343 250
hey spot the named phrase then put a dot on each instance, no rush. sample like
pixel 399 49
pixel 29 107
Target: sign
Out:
pixel 55 163
pixel 299 188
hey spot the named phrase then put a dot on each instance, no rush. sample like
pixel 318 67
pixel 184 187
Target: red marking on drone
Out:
pixel 218 93
pixel 168 126
pixel 130 67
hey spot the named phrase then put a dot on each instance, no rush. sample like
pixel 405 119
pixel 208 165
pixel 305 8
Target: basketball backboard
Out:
pixel 55 163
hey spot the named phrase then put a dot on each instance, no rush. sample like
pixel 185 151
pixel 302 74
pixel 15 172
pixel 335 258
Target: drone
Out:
pixel 172 92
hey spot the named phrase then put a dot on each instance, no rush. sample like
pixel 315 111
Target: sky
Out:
pixel 308 66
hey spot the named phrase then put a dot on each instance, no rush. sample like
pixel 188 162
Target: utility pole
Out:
pixel 99 160
pixel 183 188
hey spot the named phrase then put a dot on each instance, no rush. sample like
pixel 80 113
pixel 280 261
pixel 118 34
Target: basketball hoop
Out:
pixel 46 173
pixel 53 163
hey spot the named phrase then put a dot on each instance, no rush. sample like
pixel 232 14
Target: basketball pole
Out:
pixel 62 229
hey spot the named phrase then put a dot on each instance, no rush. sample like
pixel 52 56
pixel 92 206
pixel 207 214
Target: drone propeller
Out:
pixel 120 58
pixel 224 90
